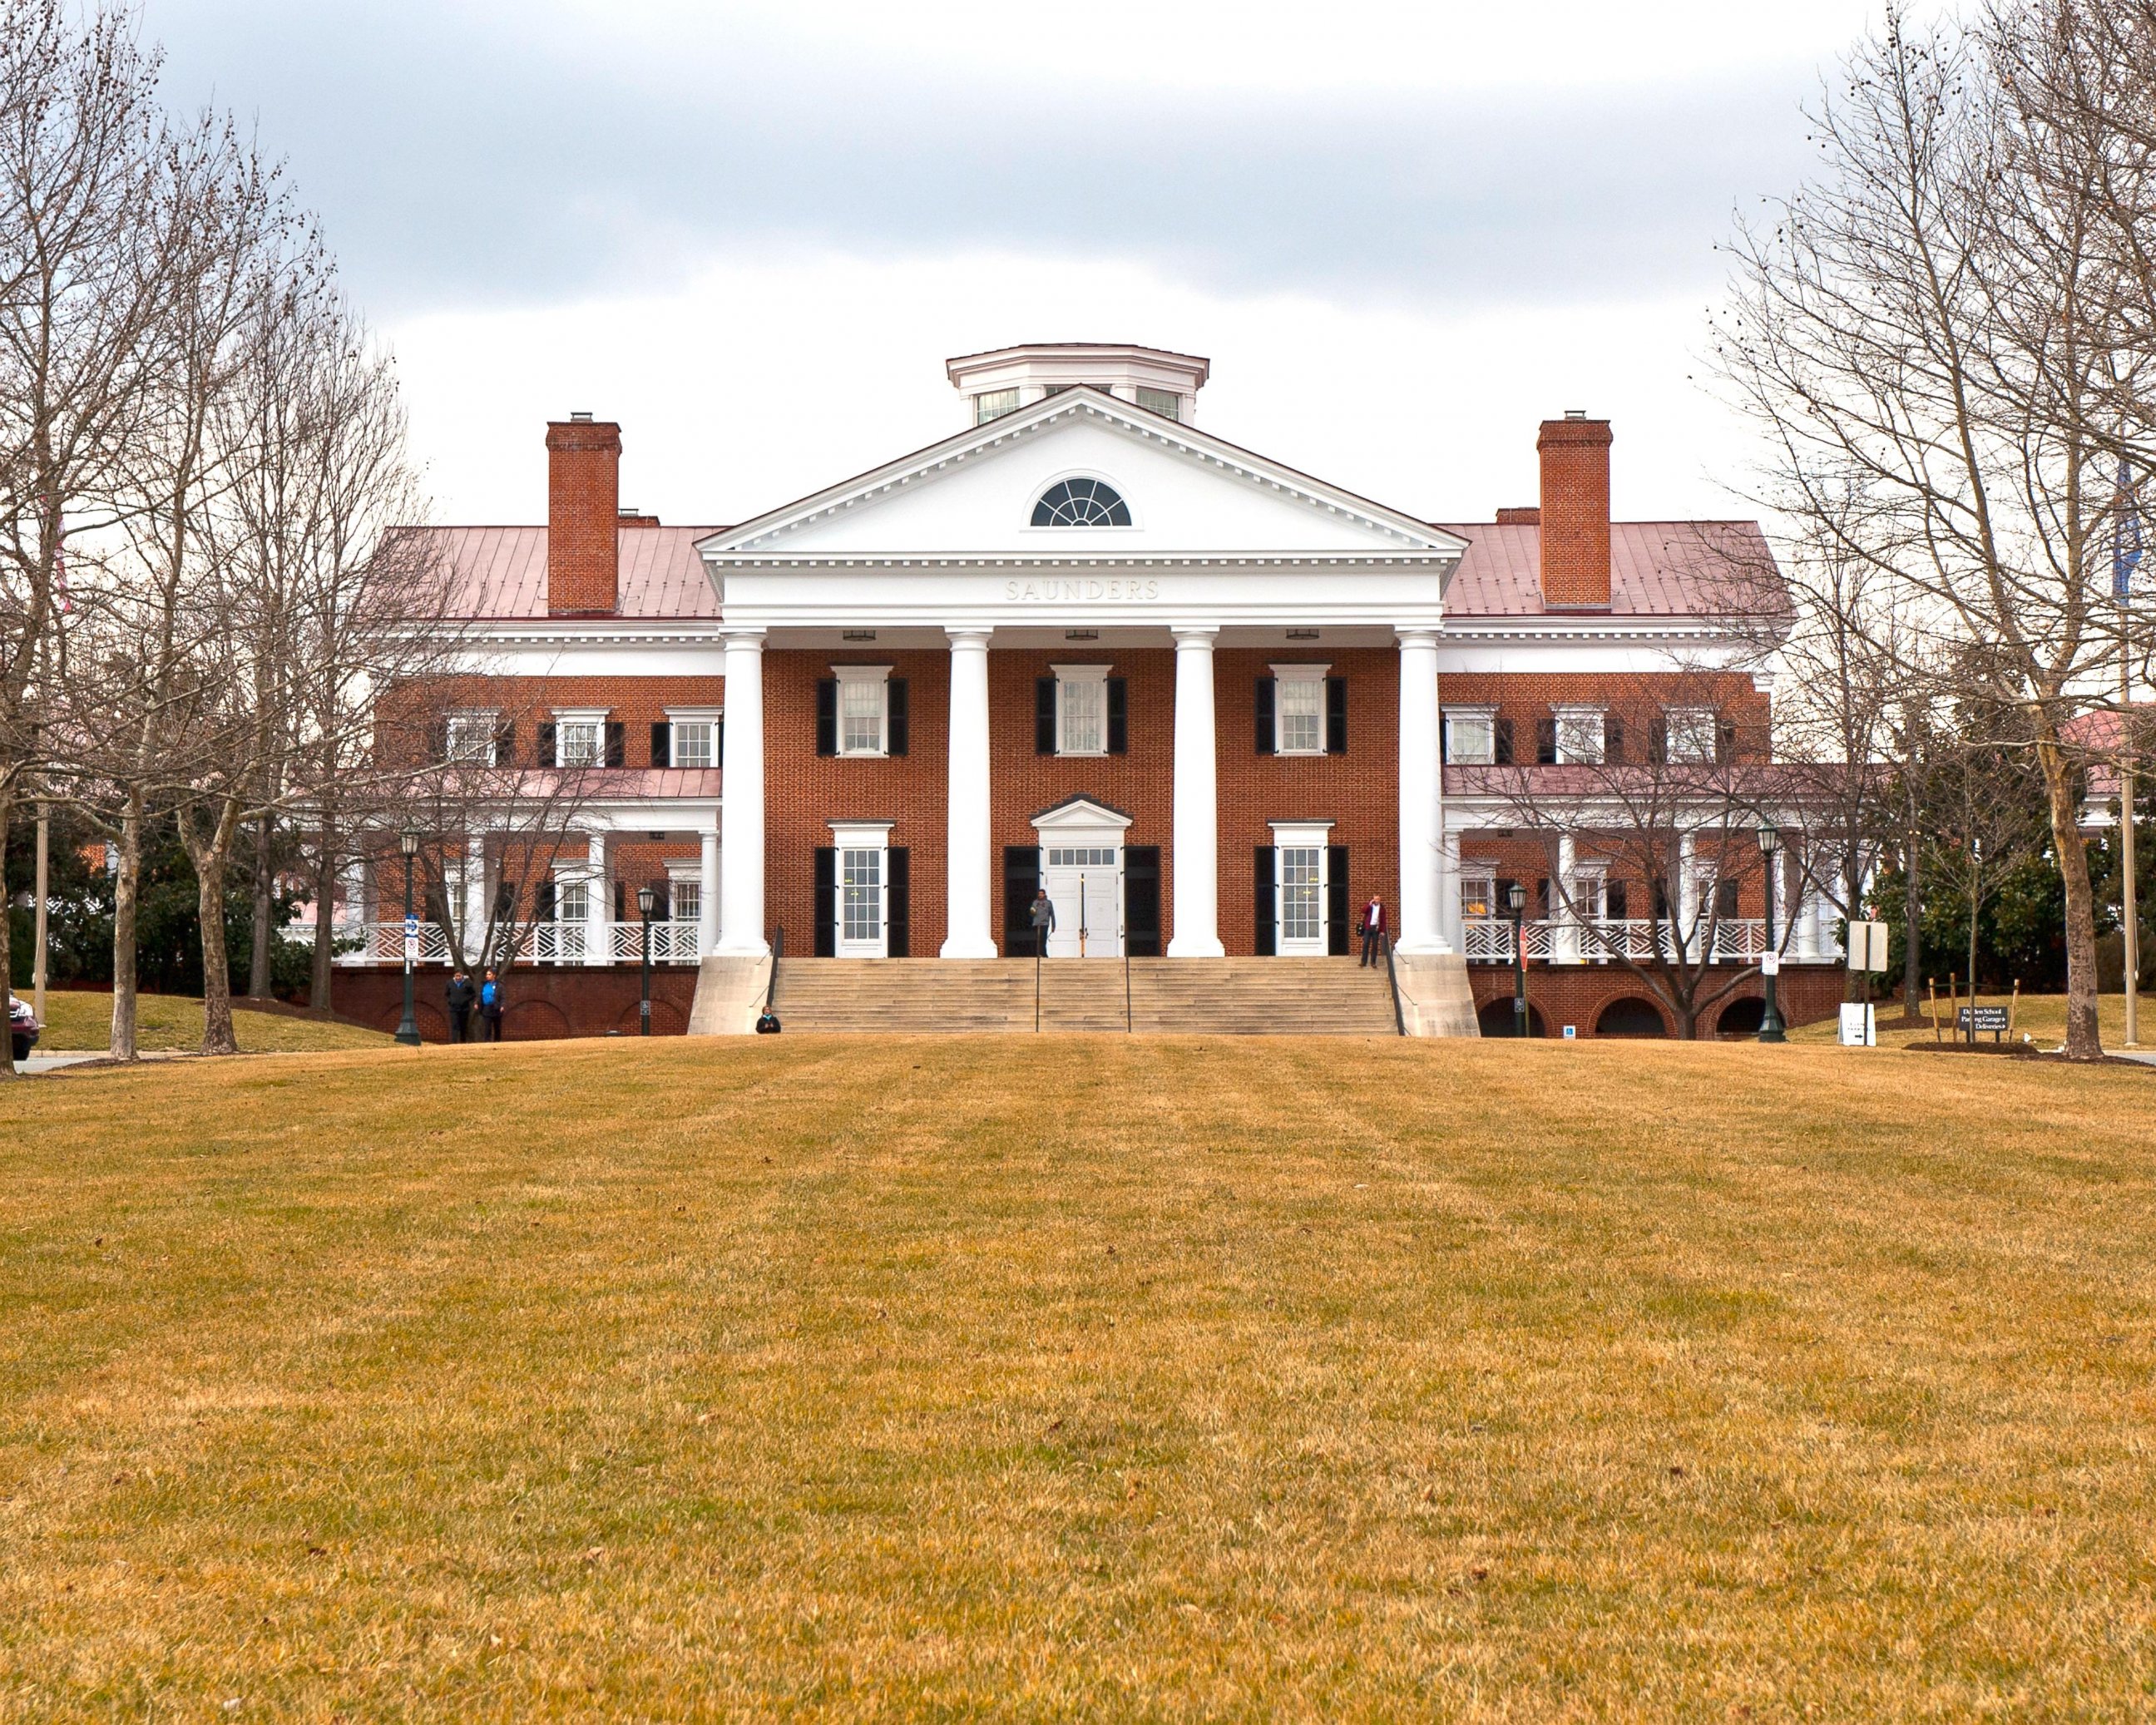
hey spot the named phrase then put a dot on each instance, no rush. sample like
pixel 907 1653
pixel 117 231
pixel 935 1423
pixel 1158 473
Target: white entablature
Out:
pixel 1202 529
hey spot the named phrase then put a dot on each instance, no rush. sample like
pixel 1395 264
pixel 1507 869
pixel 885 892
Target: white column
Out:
pixel 1422 863
pixel 740 878
pixel 474 894
pixel 1688 923
pixel 967 861
pixel 1564 945
pixel 1197 828
pixel 598 904
pixel 707 896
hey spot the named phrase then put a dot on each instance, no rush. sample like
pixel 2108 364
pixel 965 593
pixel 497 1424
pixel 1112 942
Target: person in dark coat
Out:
pixel 462 998
pixel 490 1004
pixel 1044 921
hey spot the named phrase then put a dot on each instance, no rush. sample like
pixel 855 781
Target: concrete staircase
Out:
pixel 1210 996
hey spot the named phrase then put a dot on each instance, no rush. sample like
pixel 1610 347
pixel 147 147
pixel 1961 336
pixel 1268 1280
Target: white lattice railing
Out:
pixel 1488 940
pixel 535 943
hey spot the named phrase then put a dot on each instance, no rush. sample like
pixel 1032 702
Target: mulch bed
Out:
pixel 2020 1051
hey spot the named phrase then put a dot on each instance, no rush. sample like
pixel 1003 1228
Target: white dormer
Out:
pixel 1009 378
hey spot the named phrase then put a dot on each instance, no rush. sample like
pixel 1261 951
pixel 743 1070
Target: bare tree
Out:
pixel 82 149
pixel 1931 326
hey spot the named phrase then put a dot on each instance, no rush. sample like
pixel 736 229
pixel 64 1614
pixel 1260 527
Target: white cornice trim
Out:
pixel 1081 401
pixel 942 561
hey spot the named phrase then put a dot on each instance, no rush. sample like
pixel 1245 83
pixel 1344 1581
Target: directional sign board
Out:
pixel 1990 1020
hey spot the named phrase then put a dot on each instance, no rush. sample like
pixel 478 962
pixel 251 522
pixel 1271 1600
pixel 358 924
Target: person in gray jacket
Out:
pixel 1044 921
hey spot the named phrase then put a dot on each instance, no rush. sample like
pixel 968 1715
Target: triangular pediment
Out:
pixel 974 495
pixel 1079 813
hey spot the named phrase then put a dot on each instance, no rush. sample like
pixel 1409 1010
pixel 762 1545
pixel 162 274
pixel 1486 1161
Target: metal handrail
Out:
pixel 1392 976
pixel 777 952
pixel 1127 1030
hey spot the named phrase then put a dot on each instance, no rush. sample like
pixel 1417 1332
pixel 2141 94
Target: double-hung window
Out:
pixel 580 738
pixel 471 739
pixel 1299 709
pixel 1579 735
pixel 864 709
pixel 1081 709
pixel 687 901
pixel 695 739
pixel 1689 735
pixel 1471 735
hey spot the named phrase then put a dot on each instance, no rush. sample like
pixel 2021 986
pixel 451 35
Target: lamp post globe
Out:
pixel 1770 1019
pixel 408 1027
pixel 1515 902
pixel 647 901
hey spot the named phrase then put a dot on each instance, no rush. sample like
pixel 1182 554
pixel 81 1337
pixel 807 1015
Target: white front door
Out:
pixel 1301 886
pixel 1084 883
pixel 860 906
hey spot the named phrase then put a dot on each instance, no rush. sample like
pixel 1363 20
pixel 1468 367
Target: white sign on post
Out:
pixel 1859 1025
pixel 411 940
pixel 1771 964
pixel 1867 946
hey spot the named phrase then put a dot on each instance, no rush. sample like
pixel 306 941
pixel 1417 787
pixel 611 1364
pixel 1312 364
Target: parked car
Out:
pixel 23 1027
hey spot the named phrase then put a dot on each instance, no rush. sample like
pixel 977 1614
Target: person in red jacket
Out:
pixel 1371 928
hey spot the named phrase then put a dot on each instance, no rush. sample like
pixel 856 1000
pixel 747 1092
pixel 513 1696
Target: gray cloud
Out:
pixel 456 164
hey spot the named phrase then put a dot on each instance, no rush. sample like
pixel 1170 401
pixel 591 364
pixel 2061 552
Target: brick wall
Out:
pixel 1575 512
pixel 583 500
pixel 1580 994
pixel 637 703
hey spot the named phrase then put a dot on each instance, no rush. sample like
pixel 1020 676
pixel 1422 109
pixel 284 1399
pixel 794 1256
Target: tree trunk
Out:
pixel 126 896
pixel 211 858
pixel 1913 957
pixel 2084 1034
pixel 318 987
pixel 259 984
pixel 6 941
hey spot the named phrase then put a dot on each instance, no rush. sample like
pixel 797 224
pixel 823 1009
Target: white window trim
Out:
pixel 879 675
pixel 1283 674
pixel 1488 715
pixel 862 835
pixel 1301 835
pixel 596 716
pixel 677 716
pixel 1579 714
pixel 1042 487
pixel 491 717
pixel 1711 721
pixel 1093 674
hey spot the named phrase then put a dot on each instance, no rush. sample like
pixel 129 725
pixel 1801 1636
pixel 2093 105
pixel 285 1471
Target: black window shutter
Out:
pixel 827 899
pixel 1542 898
pixel 1021 881
pixel 542 901
pixel 896 711
pixel 1335 900
pixel 1546 742
pixel 438 739
pixel 1503 889
pixel 505 901
pixel 1504 749
pixel 662 901
pixel 1141 900
pixel 827 716
pixel 1725 901
pixel 1119 721
pixel 1658 741
pixel 1725 741
pixel 1335 716
pixel 1264 891
pixel 545 746
pixel 616 743
pixel 1613 738
pixel 662 743
pixel 1264 713
pixel 621 900
pixel 1044 716
pixel 898 902
pixel 719 740
pixel 1614 901
pixel 504 743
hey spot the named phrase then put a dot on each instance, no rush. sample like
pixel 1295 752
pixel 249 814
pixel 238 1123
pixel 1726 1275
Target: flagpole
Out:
pixel 2124 557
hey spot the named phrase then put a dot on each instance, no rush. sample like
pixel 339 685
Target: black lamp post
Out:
pixel 647 901
pixel 1516 900
pixel 407 1027
pixel 1770 1021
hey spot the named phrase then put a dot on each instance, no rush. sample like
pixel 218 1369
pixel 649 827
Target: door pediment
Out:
pixel 1081 813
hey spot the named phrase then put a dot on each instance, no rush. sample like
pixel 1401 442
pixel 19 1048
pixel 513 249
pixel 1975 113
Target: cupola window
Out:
pixel 1081 503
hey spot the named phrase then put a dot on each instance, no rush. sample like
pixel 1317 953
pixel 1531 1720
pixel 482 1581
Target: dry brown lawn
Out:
pixel 164 1024
pixel 1098 1378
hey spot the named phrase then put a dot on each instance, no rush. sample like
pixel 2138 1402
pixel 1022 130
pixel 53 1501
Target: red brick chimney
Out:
pixel 584 502
pixel 1575 512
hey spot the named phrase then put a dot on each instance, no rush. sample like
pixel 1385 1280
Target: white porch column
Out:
pixel 708 896
pixel 1197 826
pixel 1422 863
pixel 967 860
pixel 1564 945
pixel 598 903
pixel 1688 924
pixel 740 880
pixel 474 912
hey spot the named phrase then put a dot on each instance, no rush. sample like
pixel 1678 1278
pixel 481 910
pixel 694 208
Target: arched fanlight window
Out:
pixel 1081 503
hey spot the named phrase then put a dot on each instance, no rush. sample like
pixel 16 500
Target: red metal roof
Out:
pixel 501 572
pixel 1656 569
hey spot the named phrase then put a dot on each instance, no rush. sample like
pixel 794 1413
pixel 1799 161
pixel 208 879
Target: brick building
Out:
pixel 1209 705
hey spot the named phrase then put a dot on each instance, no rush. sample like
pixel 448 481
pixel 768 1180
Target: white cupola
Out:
pixel 1009 378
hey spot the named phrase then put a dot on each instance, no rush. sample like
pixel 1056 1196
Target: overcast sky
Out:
pixel 753 230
